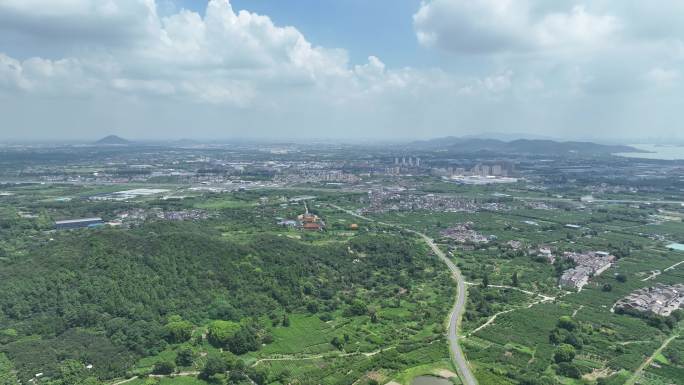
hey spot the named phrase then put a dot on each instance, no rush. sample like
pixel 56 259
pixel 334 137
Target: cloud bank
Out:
pixel 81 68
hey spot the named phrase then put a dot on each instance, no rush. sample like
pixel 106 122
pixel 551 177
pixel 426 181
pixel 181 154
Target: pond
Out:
pixel 430 380
pixel 676 246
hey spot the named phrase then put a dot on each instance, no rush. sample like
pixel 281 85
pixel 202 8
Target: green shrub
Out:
pixel 564 353
pixel 164 367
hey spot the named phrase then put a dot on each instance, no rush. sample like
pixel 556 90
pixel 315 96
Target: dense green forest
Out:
pixel 108 297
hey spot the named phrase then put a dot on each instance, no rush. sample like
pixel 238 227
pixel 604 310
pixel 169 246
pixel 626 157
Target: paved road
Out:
pixel 457 355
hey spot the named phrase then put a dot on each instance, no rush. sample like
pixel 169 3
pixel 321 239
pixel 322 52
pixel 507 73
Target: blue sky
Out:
pixel 609 70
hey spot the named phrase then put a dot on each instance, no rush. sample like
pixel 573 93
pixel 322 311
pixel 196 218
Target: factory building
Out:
pixel 78 223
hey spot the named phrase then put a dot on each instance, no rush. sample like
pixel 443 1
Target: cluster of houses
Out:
pixel 659 299
pixel 588 265
pixel 299 176
pixel 138 216
pixel 464 233
pixel 134 217
pixel 388 199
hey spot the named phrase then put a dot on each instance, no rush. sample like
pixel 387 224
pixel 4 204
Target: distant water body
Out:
pixel 656 151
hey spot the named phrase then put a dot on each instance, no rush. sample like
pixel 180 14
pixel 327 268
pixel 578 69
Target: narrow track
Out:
pixel 637 374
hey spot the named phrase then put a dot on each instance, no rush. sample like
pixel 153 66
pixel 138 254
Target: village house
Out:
pixel 660 299
pixel 589 264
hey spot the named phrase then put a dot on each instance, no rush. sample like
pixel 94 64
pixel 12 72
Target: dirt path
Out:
pixel 654 274
pixel 318 356
pixel 673 266
pixel 574 313
pixel 179 374
pixel 632 380
pixel 125 381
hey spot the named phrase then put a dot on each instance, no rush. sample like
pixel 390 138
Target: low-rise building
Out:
pixel 288 223
pixel 547 253
pixel 589 264
pixel 310 221
pixel 659 299
pixel 78 223
pixel 515 245
pixel 575 278
pixel 312 226
pixel 464 233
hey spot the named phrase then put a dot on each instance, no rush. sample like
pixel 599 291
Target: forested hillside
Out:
pixel 105 296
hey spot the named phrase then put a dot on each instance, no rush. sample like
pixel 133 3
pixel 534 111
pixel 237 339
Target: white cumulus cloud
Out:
pixel 489 26
pixel 223 57
pixel 76 65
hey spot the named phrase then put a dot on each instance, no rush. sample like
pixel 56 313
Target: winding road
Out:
pixel 457 355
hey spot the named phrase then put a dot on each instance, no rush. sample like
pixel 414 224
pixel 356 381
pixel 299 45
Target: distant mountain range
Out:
pixel 521 146
pixel 508 136
pixel 113 140
pixel 467 144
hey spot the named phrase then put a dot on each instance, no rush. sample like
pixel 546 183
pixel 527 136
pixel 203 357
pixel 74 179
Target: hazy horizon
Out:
pixel 87 141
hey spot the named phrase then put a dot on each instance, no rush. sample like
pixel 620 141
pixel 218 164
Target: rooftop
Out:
pixel 93 219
